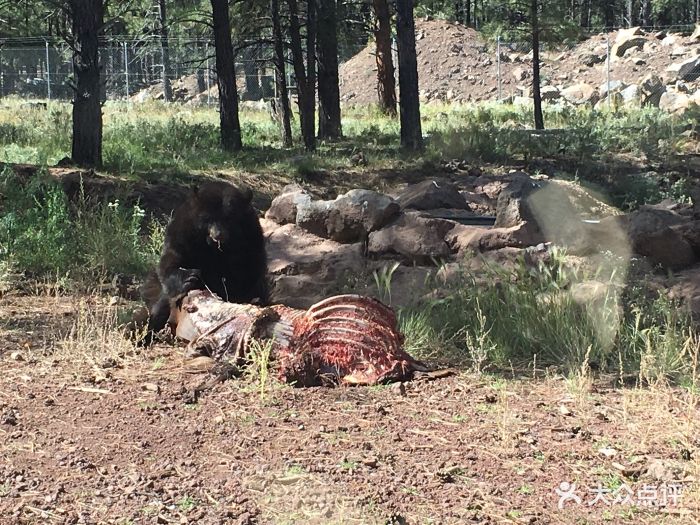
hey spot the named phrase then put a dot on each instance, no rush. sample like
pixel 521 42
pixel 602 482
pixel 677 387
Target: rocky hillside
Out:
pixel 456 64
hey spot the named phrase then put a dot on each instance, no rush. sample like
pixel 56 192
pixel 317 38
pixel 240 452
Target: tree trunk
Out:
pixel 311 73
pixel 536 96
pixel 646 13
pixel 609 14
pixel 386 81
pixel 281 75
pixel 409 103
pixel 226 77
pixel 631 14
pixel 88 20
pixel 585 14
pixel 329 124
pixel 467 12
pixel 165 51
pixel 306 84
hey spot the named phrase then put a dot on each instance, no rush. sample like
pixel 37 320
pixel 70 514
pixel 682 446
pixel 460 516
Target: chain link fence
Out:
pixel 629 68
pixel 133 69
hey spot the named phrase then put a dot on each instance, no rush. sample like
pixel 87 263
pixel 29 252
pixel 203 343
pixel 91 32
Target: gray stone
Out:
pixel 412 238
pixel 283 209
pixel 348 218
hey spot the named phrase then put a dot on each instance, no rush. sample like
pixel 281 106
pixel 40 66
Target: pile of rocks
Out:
pixel 320 247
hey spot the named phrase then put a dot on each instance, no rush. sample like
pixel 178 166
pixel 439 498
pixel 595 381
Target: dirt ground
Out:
pixel 455 63
pixel 93 432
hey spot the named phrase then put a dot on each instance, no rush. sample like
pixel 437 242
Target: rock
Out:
pixel 413 238
pixel 678 51
pixel 669 41
pixel 550 93
pixel 674 102
pixel 688 70
pixel 358 213
pixel 512 205
pixel 591 59
pixel 297 291
pixel 580 94
pixel 651 233
pixel 686 288
pixel 305 268
pixel 463 239
pixel 432 194
pixel 614 86
pixel 690 231
pixel 348 218
pixel 520 74
pixel 479 203
pixel 696 34
pixel 283 209
pixel 651 88
pixel 627 39
pixel 630 95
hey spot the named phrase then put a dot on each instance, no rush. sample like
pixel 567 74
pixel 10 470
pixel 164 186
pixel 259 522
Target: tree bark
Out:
pixel 386 81
pixel 536 95
pixel 226 77
pixel 409 103
pixel 165 51
pixel 646 13
pixel 329 121
pixel 631 14
pixel 281 75
pixel 305 77
pixel 87 22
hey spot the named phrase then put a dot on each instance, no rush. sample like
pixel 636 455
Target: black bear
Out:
pixel 213 241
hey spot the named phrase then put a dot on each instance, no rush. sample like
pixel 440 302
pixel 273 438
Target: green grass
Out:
pixel 528 315
pixel 155 138
pixel 44 235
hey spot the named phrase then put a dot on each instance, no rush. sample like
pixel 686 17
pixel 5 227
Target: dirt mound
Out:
pixel 453 64
pixel 457 64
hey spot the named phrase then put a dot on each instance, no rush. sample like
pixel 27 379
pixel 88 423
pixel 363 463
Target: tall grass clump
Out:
pixel 43 234
pixel 513 317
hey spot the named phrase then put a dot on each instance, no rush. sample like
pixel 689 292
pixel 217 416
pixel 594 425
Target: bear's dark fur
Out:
pixel 213 241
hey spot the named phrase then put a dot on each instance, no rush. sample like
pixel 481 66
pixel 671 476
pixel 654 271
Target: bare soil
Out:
pixel 92 431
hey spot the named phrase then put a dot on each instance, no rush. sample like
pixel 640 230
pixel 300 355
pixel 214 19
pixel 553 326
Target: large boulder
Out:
pixel 549 93
pixel 304 268
pixel 348 218
pixel 651 88
pixel 630 95
pixel 614 86
pixel 412 238
pixel 512 207
pixel 627 39
pixel 654 233
pixel 580 93
pixel 431 194
pixel 674 101
pixel 283 209
pixel 688 70
pixel 474 239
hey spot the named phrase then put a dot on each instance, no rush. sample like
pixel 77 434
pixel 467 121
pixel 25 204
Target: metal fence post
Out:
pixel 498 64
pixel 607 69
pixel 48 71
pixel 208 76
pixel 125 50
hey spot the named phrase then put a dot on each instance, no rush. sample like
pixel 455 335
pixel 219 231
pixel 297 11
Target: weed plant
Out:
pixel 43 234
pixel 528 315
